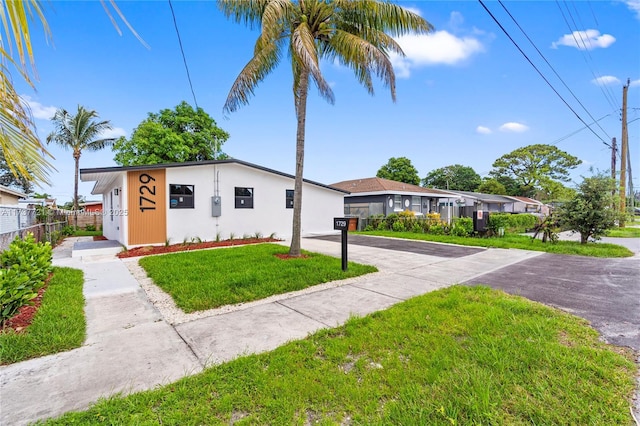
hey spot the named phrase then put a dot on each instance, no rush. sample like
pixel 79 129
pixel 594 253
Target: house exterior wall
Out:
pixel 269 214
pixel 7 199
pixel 115 211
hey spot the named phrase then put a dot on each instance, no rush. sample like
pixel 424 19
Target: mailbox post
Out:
pixel 344 224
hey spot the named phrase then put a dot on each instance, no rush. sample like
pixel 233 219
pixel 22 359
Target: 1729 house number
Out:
pixel 147 193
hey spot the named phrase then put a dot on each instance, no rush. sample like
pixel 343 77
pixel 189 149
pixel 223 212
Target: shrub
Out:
pixel 497 221
pixel 90 228
pixel 398 226
pixel 462 227
pixel 67 230
pixel 417 228
pixel 390 220
pixel 24 267
pixel 437 229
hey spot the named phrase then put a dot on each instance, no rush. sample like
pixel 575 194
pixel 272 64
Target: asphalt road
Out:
pixel 419 247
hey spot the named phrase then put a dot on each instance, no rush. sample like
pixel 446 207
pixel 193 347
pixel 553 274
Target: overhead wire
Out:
pixel 553 69
pixel 184 58
pixel 606 90
pixel 540 73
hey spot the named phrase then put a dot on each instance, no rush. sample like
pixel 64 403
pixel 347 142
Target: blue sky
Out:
pixel 465 95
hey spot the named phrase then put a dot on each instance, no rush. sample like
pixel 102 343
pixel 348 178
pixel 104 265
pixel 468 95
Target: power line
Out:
pixel 184 59
pixel 553 69
pixel 540 73
pixel 608 94
pixel 557 141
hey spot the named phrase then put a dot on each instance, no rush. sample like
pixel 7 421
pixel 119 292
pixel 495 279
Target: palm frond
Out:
pixel 303 50
pixel 248 12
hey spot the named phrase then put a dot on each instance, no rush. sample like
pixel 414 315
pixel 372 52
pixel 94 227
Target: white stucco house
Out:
pixel 156 204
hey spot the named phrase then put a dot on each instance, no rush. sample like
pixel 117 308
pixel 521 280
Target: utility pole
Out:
pixel 614 152
pixel 623 157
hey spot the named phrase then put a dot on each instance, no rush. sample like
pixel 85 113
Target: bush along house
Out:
pixel 207 200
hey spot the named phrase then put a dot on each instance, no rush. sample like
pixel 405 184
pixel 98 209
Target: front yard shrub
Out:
pixel 497 221
pixel 90 228
pixel 398 226
pixel 462 227
pixel 24 267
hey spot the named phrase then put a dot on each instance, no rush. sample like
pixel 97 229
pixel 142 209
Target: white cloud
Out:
pixel 115 132
pixel 634 5
pixel 634 83
pixel 513 127
pixel 456 19
pixel 38 110
pixel 606 79
pixel 440 47
pixel 483 130
pixel 413 10
pixel 585 40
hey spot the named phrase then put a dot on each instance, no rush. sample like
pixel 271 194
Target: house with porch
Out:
pixel 207 200
pixel 378 196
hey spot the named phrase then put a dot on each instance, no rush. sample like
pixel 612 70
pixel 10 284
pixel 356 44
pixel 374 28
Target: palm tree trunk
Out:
pixel 301 113
pixel 76 157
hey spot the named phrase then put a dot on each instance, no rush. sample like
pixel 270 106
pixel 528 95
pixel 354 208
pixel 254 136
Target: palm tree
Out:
pixel 356 33
pixel 79 132
pixel 26 157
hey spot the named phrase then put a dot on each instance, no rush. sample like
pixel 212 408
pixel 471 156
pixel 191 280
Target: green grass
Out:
pixel 84 233
pixel 58 324
pixel 518 242
pixel 462 355
pixel 206 279
pixel 624 233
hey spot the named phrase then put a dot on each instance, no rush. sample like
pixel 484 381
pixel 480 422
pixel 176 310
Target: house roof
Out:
pixel 386 186
pixel 485 198
pixel 90 203
pixel 13 192
pixel 526 200
pixel 105 175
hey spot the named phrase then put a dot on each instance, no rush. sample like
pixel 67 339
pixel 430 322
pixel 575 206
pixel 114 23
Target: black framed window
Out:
pixel 244 197
pixel 181 196
pixel 289 198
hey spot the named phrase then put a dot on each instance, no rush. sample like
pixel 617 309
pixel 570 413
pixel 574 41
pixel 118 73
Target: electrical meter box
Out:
pixel 216 206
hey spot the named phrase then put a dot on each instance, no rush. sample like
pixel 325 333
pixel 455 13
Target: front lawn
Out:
pixel 462 355
pixel 58 325
pixel 209 279
pixel 516 241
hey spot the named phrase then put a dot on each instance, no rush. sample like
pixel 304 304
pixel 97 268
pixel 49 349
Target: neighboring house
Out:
pixel 474 201
pixel 375 196
pixel 527 205
pixel 47 202
pixel 10 197
pixel 207 200
pixel 91 206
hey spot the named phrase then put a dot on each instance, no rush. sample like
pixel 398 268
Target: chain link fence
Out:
pixel 18 221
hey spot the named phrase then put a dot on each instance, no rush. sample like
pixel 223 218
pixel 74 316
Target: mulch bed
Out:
pixel 99 238
pixel 148 250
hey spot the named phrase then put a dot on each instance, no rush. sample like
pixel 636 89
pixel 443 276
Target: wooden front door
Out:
pixel 147 206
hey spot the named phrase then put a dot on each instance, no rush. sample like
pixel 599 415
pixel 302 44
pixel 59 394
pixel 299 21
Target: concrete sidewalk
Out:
pixel 131 346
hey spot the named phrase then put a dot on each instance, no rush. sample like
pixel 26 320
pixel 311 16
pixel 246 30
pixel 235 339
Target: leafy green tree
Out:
pixel 358 34
pixel 534 165
pixel 10 179
pixel 555 191
pixel 79 132
pixel 590 212
pixel 172 136
pixel 492 186
pixel 455 177
pixel 399 169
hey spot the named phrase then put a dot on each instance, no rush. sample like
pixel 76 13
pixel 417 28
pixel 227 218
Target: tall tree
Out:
pixel 25 155
pixel 10 179
pixel 399 169
pixel 590 212
pixel 79 132
pixel 455 177
pixel 355 33
pixel 172 136
pixel 492 186
pixel 533 166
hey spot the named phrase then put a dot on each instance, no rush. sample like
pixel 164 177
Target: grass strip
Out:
pixel 522 242
pixel 207 279
pixel 624 233
pixel 58 325
pixel 85 233
pixel 462 355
